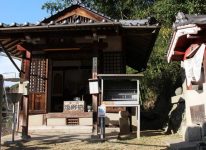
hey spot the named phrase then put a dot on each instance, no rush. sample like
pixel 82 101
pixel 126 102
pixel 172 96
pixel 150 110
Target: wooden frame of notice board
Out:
pixel 121 90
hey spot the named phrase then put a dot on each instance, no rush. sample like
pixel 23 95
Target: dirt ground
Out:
pixel 150 140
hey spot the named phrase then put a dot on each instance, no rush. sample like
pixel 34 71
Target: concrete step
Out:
pixel 77 129
pixel 186 146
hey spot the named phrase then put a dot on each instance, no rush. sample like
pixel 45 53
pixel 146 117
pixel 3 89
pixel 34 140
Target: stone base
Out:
pixel 124 126
pixel 62 129
pixel 86 121
pixel 56 122
pixel 62 121
pixel 35 120
pixel 192 133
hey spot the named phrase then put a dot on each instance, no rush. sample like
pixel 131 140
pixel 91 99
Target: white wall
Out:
pixel 8 69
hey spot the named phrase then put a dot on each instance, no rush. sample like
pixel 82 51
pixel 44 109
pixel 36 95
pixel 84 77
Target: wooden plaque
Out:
pixel 73 106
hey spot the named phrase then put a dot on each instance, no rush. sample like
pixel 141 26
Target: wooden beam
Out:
pixel 12 49
pixel 89 14
pixel 6 41
pixel 61 49
pixel 191 50
pixel 11 44
pixel 176 52
pixel 18 55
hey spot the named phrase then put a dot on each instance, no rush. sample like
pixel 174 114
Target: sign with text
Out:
pixel 102 111
pixel 93 86
pixel 73 106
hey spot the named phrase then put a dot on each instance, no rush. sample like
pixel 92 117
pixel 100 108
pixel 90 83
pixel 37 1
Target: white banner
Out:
pixel 193 65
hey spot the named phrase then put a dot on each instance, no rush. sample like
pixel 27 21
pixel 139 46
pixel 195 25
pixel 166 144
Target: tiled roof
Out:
pixel 144 22
pixel 49 22
pixel 185 19
pixel 186 29
pixel 139 35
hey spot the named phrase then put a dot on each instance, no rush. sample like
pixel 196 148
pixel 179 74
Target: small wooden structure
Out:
pixel 60 53
pixel 121 90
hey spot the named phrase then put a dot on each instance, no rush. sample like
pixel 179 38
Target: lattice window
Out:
pixel 72 121
pixel 74 18
pixel 113 62
pixel 38 73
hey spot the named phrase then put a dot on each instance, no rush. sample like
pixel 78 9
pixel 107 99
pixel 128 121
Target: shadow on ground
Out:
pixel 65 141
pixel 149 133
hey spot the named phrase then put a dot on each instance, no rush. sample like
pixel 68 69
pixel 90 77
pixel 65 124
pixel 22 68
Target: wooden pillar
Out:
pixel 25 117
pixel 94 96
pixel 25 76
pixel 1 99
pixel 138 121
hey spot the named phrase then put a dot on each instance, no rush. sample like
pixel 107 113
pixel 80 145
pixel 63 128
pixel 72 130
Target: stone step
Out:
pixel 65 129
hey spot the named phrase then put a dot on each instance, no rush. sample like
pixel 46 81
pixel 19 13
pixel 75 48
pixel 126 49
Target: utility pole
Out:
pixel 1 99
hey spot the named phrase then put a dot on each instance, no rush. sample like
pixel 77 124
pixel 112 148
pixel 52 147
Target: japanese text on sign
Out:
pixel 73 106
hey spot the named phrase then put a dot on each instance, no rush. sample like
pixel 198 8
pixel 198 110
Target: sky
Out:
pixel 19 11
pixel 22 11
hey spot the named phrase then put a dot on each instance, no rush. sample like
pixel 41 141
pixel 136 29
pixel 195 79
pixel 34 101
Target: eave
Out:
pixel 188 31
pixel 139 38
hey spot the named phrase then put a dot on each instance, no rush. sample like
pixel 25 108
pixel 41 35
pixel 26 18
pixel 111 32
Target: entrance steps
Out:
pixel 77 129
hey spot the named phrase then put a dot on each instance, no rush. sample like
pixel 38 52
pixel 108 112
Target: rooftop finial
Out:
pixel 76 2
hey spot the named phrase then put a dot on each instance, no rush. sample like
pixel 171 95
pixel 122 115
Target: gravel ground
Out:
pixel 150 140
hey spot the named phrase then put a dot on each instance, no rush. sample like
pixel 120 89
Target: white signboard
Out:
pixel 93 87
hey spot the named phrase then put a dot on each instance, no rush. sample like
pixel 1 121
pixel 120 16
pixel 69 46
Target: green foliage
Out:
pixel 116 9
pixel 160 78
pixel 166 10
pixel 51 7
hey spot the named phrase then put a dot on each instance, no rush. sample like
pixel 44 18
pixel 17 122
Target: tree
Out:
pixel 53 6
pixel 116 9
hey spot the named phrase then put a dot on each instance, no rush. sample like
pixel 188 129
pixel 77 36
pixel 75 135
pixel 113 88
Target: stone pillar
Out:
pixel 124 123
